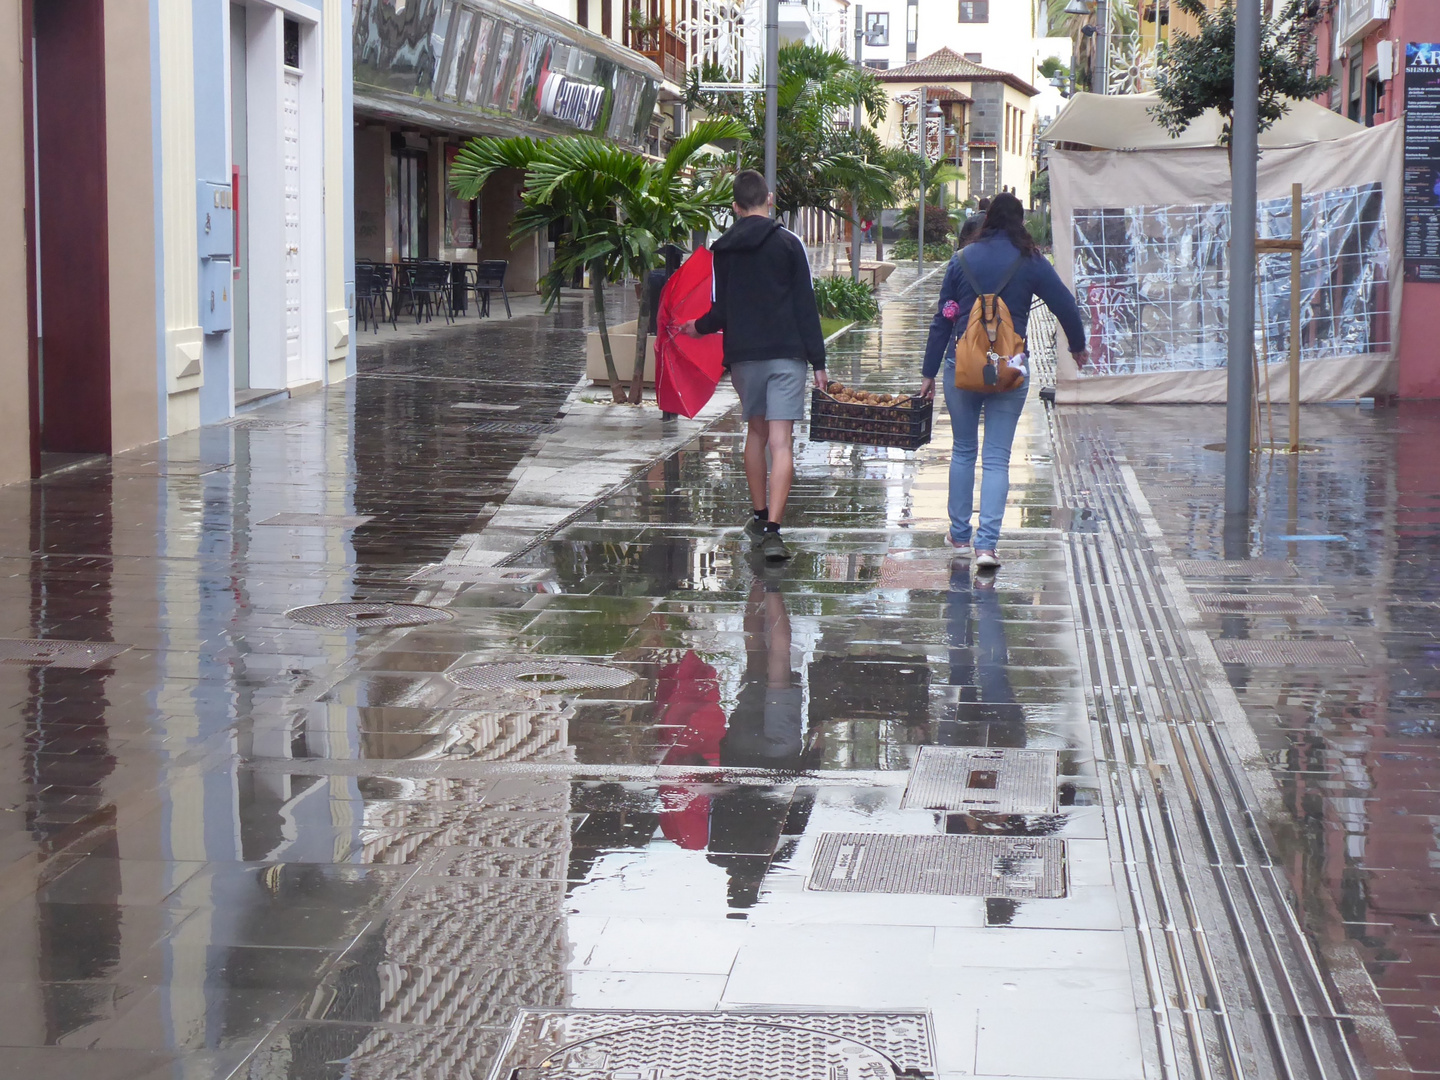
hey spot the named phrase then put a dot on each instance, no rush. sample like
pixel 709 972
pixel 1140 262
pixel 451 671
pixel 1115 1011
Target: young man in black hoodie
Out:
pixel 764 302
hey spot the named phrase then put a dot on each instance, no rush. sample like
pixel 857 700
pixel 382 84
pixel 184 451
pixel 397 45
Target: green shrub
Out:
pixel 905 248
pixel 841 298
pixel 1037 224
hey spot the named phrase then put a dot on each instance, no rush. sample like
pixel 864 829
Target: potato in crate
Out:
pixel 841 414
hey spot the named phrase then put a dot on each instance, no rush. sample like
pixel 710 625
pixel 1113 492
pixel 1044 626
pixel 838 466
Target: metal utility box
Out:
pixel 215 225
pixel 216 282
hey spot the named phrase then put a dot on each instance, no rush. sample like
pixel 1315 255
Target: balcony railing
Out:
pixel 663 47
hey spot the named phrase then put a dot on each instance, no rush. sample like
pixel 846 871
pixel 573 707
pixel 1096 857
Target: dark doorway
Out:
pixel 72 382
pixel 412 227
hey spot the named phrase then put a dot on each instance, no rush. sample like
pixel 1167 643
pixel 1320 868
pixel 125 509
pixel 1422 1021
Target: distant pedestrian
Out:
pixel 1002 260
pixel 764 302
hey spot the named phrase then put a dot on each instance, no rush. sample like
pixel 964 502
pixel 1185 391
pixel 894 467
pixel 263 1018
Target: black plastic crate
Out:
pixel 906 427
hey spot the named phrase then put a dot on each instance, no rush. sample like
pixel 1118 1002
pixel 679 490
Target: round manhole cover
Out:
pixel 364 616
pixel 730 1048
pixel 540 676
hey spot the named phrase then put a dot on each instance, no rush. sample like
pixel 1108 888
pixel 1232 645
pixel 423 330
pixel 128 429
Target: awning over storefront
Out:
pixel 498 67
pixel 1123 122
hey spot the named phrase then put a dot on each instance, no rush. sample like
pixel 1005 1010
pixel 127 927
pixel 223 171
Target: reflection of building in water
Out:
pixel 865 711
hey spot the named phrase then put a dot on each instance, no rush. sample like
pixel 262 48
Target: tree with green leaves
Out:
pixel 618 209
pixel 820 163
pixel 1196 72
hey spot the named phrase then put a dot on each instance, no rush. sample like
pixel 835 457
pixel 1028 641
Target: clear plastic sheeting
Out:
pixel 1152 281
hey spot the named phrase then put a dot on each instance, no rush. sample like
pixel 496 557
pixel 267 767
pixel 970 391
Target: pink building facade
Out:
pixel 1362 43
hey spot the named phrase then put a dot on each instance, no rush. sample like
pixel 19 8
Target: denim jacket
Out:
pixel 989 258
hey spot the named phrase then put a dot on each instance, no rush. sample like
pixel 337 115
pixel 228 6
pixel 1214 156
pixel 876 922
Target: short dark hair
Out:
pixel 751 191
pixel 983 205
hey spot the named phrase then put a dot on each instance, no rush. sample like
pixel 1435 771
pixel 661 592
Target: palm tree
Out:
pixel 618 207
pixel 819 161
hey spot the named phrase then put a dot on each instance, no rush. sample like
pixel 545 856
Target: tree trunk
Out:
pixel 642 338
pixel 597 287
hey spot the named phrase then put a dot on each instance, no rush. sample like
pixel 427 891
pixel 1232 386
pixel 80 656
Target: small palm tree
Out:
pixel 620 209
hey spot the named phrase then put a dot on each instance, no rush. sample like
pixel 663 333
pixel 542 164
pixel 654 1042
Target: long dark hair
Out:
pixel 1006 217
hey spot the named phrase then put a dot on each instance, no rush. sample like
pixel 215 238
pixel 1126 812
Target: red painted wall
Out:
pixel 74 225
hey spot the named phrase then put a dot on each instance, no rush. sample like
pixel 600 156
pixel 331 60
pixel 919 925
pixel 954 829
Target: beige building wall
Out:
pixel 14 289
pixel 134 391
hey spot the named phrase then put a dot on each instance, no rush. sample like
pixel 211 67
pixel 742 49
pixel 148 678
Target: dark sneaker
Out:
pixel 773 548
pixel 754 530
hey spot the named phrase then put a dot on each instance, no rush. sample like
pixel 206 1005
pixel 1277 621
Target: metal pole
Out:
pixel 772 91
pixel 1244 152
pixel 1102 22
pixel 855 127
pixel 1295 237
pixel 920 129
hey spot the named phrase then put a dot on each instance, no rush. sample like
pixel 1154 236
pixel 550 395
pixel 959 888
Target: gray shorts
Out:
pixel 774 389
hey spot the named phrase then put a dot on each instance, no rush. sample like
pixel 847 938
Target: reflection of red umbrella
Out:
pixel 686 369
pixel 688 697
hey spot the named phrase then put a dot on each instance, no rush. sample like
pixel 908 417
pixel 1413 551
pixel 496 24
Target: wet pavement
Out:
pixel 995 827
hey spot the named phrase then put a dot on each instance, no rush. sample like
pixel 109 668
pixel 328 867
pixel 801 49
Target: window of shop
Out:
pixel 974 11
pixel 412 225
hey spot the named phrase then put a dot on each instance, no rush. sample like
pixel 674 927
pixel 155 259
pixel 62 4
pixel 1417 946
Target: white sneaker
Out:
pixel 986 560
pixel 962 551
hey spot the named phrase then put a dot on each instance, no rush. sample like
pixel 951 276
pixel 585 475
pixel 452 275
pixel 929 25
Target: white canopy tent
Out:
pixel 1123 122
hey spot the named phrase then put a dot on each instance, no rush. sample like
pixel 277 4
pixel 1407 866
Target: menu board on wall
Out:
pixel 1422 162
pixel 459 213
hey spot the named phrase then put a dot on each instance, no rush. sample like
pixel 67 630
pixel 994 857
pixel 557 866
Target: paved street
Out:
pixel 1026 826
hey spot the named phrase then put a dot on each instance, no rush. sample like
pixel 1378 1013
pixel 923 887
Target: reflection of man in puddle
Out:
pixel 765 732
pixel 987 714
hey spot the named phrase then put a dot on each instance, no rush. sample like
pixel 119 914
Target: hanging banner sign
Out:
pixel 571 101
pixel 1422 162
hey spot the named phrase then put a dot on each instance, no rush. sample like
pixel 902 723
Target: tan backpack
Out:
pixel 983 349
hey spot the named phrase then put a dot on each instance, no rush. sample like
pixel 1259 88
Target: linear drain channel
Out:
pixel 1241 568
pixel 966 778
pixel 991 866
pixel 540 676
pixel 1258 604
pixel 366 616
pixel 313 521
pixel 610 1045
pixel 52 652
pixel 1288 652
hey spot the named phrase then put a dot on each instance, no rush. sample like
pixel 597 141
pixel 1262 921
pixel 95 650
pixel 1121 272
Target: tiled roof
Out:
pixel 946 65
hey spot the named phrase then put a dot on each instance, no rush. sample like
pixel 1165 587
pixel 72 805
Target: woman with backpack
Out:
pixel 978 332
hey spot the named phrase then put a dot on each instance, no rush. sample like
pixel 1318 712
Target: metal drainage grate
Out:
pixel 263 425
pixel 564 1044
pixel 1288 652
pixel 966 778
pixel 51 652
pixel 510 427
pixel 1258 604
pixel 1214 568
pixel 364 616
pixel 542 676
pixel 483 575
pixel 305 521
pixel 951 865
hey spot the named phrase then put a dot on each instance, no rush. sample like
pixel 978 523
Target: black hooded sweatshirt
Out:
pixel 763 299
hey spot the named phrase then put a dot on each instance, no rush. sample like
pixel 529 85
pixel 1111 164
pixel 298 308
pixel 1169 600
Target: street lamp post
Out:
pixel 1239 384
pixel 855 128
pixel 920 142
pixel 772 92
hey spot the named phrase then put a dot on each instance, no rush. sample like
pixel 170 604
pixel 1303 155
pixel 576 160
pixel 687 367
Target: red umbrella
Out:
pixel 687 369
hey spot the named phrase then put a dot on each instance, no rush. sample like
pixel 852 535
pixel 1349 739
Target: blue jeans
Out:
pixel 1002 414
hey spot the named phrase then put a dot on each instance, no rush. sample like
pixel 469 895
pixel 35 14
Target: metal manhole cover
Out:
pixel 52 652
pixel 1288 652
pixel 610 1045
pixel 263 425
pixel 540 676
pixel 950 865
pixel 364 616
pixel 966 778
pixel 304 521
pixel 510 427
pixel 483 575
pixel 1258 604
pixel 1214 568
